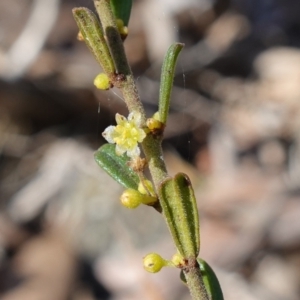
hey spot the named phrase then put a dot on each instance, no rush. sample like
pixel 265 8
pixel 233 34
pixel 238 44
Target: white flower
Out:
pixel 126 135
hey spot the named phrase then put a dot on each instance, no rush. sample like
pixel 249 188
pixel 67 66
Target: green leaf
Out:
pixel 113 37
pixel 166 81
pixel 92 33
pixel 121 9
pixel 179 207
pixel 116 166
pixel 210 280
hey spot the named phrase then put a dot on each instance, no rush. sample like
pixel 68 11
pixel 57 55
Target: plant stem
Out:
pixel 151 144
pixel 153 152
pixel 195 282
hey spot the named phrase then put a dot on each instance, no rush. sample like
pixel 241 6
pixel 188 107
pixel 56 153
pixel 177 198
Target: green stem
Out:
pixel 153 152
pixel 195 282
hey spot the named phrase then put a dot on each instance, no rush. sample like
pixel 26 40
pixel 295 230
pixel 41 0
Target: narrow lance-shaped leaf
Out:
pixel 116 166
pixel 178 202
pixel 166 81
pixel 210 280
pixel 92 33
pixel 113 37
pixel 121 9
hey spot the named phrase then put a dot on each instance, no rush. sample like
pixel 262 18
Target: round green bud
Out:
pixel 102 82
pixel 153 262
pixel 131 198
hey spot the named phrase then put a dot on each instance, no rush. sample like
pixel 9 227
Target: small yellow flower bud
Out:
pixel 123 30
pixel 148 200
pixel 119 23
pixel 80 37
pixel 153 263
pixel 154 124
pixel 156 116
pixel 131 198
pixel 178 260
pixel 146 187
pixel 102 82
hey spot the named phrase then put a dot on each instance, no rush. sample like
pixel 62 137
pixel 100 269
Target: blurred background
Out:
pixel 234 128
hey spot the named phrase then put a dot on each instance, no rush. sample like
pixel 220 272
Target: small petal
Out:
pixel 131 116
pixel 136 118
pixel 120 150
pixel 108 134
pixel 120 119
pixel 134 152
pixel 142 135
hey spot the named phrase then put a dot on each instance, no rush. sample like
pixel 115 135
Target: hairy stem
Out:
pixel 195 283
pixel 153 152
